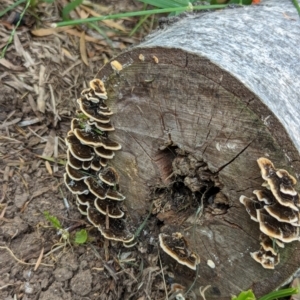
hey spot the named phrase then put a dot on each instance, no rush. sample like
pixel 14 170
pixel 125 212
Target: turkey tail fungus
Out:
pixel 194 106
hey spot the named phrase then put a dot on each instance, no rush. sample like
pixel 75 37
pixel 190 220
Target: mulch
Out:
pixel 41 76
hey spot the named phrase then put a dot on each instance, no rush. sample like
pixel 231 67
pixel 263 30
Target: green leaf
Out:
pixel 53 220
pixel 69 7
pixel 246 295
pixel 81 236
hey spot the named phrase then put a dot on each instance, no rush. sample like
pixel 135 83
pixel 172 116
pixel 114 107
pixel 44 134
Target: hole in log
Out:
pixel 189 188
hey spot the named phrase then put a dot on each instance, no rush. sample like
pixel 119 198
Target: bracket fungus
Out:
pixel 276 209
pixel 95 183
pixel 88 175
pixel 177 247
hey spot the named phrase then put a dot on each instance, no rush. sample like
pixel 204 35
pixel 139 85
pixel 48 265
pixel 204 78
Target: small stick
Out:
pixel 20 261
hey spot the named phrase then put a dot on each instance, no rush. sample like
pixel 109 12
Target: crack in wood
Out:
pixel 234 225
pixel 142 115
pixel 140 145
pixel 234 158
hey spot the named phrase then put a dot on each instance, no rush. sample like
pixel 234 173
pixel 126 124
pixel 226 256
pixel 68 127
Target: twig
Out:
pixel 20 261
pixel 163 276
pixel 203 291
pixel 38 262
pixel 3 207
pixel 193 283
pixel 5 286
pixel 106 266
pixel 55 249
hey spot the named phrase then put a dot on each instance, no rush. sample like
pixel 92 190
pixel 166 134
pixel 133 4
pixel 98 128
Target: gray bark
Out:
pixel 251 43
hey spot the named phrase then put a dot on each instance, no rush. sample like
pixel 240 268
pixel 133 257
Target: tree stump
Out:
pixel 211 92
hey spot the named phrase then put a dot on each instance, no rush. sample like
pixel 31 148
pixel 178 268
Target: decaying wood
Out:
pixel 223 88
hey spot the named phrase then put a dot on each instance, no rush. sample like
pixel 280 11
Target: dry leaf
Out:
pixel 41 104
pixel 83 49
pixel 3 191
pixel 38 262
pixel 108 23
pixel 49 147
pixel 83 14
pixel 3 208
pixel 7 64
pixel 87 37
pixel 48 167
pixel 6 124
pixel 49 31
pixel 32 103
pixel 67 53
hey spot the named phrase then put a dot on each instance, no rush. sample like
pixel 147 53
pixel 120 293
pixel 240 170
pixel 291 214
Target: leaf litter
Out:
pixel 41 75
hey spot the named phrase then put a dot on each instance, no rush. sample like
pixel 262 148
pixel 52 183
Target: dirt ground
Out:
pixel 41 76
pixel 40 79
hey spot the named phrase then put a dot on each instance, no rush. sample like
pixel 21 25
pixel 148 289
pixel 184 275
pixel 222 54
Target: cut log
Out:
pixel 195 105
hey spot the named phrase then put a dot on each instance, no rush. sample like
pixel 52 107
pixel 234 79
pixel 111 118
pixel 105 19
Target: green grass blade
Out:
pixel 107 39
pixel 138 231
pixel 280 294
pixel 52 159
pixel 166 3
pixel 69 7
pixel 3 12
pixel 137 14
pixel 14 30
pixel 138 25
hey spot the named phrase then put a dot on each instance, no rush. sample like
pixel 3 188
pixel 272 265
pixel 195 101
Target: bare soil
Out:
pixel 40 79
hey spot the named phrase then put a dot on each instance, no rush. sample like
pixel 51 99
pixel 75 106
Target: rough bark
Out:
pixel 225 90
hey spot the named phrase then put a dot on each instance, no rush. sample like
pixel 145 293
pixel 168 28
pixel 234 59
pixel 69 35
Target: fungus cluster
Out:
pixel 95 183
pixel 177 247
pixel 88 175
pixel 276 209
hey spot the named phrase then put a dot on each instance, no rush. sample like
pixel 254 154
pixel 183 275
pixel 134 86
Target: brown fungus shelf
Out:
pixel 87 175
pixel 278 219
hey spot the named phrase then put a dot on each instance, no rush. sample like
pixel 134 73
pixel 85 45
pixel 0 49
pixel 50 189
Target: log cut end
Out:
pixel 190 136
